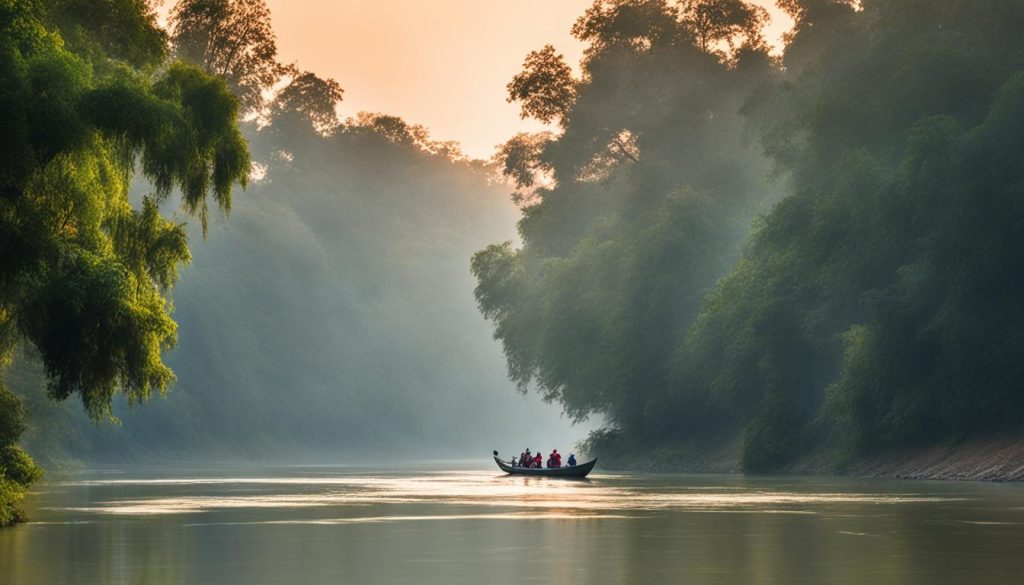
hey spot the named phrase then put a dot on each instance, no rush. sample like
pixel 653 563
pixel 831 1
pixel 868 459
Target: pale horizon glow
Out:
pixel 443 64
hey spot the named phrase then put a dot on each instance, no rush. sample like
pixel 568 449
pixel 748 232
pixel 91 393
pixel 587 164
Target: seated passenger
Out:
pixel 538 460
pixel 556 458
pixel 571 461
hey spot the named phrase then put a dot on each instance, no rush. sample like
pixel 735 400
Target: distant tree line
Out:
pixel 332 314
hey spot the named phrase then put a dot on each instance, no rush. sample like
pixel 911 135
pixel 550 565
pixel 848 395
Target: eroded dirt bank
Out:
pixel 991 459
pixel 998 459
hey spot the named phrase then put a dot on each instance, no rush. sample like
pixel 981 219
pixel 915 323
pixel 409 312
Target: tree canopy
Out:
pixel 545 88
pixel 232 39
pixel 813 253
pixel 643 210
pixel 84 273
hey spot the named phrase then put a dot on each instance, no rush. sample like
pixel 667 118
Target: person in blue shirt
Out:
pixel 571 461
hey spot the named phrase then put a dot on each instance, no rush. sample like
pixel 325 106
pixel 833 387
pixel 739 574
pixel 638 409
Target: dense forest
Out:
pixel 811 253
pixel 89 100
pixel 807 250
pixel 329 315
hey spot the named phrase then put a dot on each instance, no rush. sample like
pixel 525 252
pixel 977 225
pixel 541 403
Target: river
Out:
pixel 450 525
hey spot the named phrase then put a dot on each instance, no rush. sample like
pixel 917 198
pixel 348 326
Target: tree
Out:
pixel 125 30
pixel 520 159
pixel 875 306
pixel 807 14
pixel 631 214
pixel 84 275
pixel 232 39
pixel 311 98
pixel 395 130
pixel 545 88
pixel 732 22
pixel 632 24
pixel 891 272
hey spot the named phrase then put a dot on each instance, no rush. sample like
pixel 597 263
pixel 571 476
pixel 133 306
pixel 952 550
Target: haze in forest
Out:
pixel 444 63
pixel 330 315
pixel 711 242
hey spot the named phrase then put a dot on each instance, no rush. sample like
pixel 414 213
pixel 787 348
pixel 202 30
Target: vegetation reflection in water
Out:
pixel 424 526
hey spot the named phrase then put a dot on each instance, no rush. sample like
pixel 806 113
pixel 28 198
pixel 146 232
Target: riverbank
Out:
pixel 992 459
pixel 999 459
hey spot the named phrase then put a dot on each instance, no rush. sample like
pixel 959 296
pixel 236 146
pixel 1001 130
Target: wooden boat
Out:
pixel 575 472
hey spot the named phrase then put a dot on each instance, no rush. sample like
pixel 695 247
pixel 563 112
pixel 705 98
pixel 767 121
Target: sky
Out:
pixel 440 63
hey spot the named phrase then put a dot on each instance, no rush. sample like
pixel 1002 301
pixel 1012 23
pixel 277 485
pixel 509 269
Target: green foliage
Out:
pixel 12 417
pixel 520 160
pixel 83 270
pixel 17 473
pixel 730 22
pixel 50 434
pixel 84 274
pixel 334 303
pixel 546 86
pixel 887 275
pixel 332 316
pixel 125 30
pixel 232 39
pixel 17 470
pixel 875 306
pixel 11 495
pixel 18 467
pixel 647 196
pixel 311 100
pixel 609 25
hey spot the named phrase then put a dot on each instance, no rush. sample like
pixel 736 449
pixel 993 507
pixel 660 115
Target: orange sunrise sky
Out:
pixel 440 63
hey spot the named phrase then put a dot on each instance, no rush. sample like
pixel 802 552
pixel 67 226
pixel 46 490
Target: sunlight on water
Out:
pixel 424 526
pixel 571 499
pixel 375 519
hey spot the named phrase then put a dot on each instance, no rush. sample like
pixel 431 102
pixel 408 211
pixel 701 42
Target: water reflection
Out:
pixel 467 489
pixel 422 517
pixel 355 526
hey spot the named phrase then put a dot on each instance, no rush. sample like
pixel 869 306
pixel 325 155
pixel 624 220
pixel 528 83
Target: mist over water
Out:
pixel 719 254
pixel 331 319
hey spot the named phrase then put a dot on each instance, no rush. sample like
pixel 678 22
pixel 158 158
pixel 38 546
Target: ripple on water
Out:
pixel 537 498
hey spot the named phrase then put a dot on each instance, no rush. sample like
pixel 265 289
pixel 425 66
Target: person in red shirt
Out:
pixel 556 458
pixel 538 461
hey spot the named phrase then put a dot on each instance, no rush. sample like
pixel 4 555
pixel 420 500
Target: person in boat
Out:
pixel 526 460
pixel 538 461
pixel 555 459
pixel 571 461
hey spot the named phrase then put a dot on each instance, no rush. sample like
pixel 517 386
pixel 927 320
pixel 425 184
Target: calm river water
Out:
pixel 315 525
